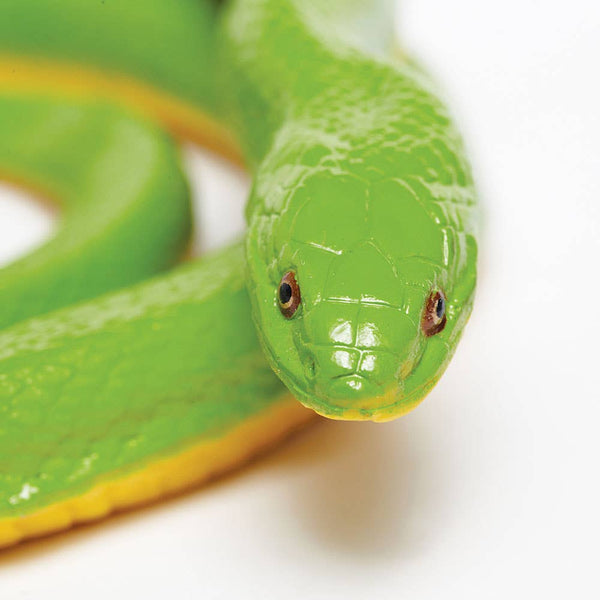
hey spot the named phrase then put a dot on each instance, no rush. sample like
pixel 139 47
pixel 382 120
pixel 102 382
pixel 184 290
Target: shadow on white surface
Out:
pixel 360 496
pixel 353 490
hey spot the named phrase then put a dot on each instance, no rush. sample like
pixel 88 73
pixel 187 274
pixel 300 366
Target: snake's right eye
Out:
pixel 434 314
pixel 288 295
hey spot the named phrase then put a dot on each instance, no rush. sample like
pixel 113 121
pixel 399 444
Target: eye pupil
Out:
pixel 288 295
pixel 285 293
pixel 433 319
pixel 440 308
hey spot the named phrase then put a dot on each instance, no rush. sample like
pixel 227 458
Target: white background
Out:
pixel 490 488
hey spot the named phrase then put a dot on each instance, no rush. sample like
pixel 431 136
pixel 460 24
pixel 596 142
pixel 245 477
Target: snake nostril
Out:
pixel 310 367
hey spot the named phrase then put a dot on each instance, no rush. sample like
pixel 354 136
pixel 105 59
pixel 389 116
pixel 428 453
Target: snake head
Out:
pixel 362 264
pixel 360 295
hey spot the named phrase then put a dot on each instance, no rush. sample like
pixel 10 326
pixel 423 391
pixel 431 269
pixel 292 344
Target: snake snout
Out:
pixel 346 389
pixel 340 376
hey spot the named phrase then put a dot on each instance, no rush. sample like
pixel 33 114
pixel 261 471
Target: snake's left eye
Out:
pixel 434 314
pixel 288 295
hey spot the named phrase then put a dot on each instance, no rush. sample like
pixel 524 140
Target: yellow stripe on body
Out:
pixel 183 119
pixel 164 477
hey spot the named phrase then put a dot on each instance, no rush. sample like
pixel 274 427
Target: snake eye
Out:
pixel 434 315
pixel 289 295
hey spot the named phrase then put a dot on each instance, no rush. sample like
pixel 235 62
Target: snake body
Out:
pixel 358 266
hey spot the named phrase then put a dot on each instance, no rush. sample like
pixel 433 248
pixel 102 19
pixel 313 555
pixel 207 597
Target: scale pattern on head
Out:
pixel 363 205
pixel 368 202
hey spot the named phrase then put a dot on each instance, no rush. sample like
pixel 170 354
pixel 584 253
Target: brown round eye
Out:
pixel 434 314
pixel 288 295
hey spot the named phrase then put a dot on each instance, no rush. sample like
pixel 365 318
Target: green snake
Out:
pixel 358 266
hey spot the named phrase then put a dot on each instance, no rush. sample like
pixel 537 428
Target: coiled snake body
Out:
pixel 358 266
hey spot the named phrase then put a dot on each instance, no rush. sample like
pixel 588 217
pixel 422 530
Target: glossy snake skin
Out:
pixel 358 267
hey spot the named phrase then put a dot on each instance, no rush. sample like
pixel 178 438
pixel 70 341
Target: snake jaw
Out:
pixel 425 362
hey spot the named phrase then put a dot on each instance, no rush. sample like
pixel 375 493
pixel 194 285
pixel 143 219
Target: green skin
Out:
pixel 108 173
pixel 360 186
